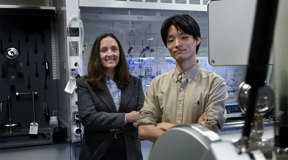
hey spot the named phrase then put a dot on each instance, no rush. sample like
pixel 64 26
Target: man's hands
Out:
pixel 132 116
pixel 165 126
pixel 202 118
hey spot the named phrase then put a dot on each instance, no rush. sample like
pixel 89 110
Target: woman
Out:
pixel 109 100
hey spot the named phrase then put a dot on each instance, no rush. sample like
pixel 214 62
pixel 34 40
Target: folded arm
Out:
pixel 149 117
pixel 90 118
pixel 215 109
pixel 150 132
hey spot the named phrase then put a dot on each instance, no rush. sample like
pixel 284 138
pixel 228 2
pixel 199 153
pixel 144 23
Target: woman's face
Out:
pixel 109 53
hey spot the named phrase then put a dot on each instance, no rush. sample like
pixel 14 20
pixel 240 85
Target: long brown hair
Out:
pixel 96 70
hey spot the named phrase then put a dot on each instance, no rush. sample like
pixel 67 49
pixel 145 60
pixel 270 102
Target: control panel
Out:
pixel 233 109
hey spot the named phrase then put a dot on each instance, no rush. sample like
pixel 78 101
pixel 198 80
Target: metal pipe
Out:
pixel 23 93
pixel 258 127
pixel 8 100
pixel 266 121
pixel 262 38
pixel 33 101
pixel 10 115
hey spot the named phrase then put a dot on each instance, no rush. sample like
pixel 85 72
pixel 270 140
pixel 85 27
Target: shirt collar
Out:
pixel 191 73
pixel 107 78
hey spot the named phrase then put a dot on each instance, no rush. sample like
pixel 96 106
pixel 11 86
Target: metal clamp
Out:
pixel 265 100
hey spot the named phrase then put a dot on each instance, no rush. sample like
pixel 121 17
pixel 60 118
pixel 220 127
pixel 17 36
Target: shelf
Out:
pixel 144 5
pixel 26 10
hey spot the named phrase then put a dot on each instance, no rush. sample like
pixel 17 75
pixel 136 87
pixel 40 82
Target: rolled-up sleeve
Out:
pixel 215 109
pixel 141 96
pixel 150 113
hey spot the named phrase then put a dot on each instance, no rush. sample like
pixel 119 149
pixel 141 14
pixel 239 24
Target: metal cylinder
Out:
pixel 258 127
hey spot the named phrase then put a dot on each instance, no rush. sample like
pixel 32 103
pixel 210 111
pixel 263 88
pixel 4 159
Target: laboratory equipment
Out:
pixel 65 36
pixel 33 94
pixel 10 124
pixel 255 99
pixel 53 124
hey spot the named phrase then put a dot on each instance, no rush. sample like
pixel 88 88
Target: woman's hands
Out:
pixel 132 116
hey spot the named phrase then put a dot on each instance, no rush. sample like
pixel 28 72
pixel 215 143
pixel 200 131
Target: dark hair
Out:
pixel 96 70
pixel 185 22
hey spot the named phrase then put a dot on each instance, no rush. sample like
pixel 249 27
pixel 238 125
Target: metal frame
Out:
pixel 143 5
pixel 93 17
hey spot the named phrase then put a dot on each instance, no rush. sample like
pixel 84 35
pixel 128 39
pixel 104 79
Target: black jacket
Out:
pixel 99 117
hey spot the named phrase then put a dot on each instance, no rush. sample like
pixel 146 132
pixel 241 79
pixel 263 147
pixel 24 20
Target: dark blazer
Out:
pixel 99 117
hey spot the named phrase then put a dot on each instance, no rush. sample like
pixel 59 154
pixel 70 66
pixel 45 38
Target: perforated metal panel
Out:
pixel 55 52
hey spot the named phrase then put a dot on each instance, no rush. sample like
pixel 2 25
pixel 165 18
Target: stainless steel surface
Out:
pixel 281 153
pixel 24 93
pixel 77 131
pixel 258 126
pixel 265 101
pixel 10 125
pixel 192 141
pixel 240 124
pixel 234 135
pixel 223 151
pixel 11 53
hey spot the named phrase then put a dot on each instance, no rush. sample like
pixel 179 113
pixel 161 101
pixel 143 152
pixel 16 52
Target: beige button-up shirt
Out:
pixel 182 98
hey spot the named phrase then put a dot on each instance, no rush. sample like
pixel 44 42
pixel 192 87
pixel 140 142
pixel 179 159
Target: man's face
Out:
pixel 181 46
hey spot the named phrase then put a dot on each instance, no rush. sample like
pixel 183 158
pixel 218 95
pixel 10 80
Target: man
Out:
pixel 187 95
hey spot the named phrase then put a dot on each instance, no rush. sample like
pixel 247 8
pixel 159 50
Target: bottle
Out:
pixel 53 123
